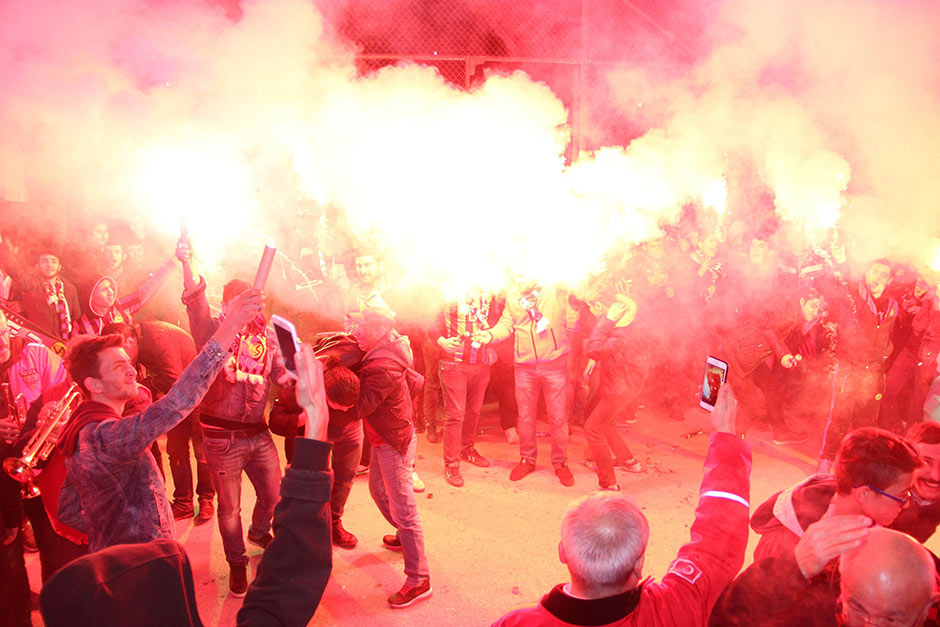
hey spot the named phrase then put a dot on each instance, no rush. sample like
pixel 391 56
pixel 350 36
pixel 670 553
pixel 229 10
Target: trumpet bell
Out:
pixel 18 469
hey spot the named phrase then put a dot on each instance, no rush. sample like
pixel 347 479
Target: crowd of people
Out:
pixel 821 346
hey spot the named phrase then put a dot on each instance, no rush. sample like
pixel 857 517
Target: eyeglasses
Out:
pixel 855 614
pixel 903 499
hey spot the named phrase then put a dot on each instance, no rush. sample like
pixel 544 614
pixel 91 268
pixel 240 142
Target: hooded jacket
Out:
pixel 387 389
pixel 783 518
pixel 113 489
pixel 124 307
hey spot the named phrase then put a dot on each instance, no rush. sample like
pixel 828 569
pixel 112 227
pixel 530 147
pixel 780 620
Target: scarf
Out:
pixel 92 325
pixel 891 309
pixel 54 291
pixel 249 359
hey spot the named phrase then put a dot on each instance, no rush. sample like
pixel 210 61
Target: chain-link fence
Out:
pixel 570 45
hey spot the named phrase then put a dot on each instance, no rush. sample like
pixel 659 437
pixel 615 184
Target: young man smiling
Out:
pixel 113 489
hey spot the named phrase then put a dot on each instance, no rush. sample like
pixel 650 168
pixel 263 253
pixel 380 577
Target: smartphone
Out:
pixel 716 373
pixel 287 341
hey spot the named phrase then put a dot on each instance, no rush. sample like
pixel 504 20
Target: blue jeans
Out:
pixel 227 458
pixel 393 492
pixel 464 388
pixel 551 379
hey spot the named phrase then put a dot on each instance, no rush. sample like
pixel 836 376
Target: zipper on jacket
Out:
pixel 554 342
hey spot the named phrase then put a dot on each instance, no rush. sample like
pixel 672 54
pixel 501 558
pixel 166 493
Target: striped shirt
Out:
pixel 463 319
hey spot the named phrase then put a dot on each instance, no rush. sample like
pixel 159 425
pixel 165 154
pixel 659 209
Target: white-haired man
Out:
pixel 604 538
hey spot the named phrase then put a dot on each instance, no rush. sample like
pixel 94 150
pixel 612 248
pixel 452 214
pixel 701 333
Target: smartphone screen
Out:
pixel 287 342
pixel 716 373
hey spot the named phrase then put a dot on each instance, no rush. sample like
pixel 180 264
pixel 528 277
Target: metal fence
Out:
pixel 570 45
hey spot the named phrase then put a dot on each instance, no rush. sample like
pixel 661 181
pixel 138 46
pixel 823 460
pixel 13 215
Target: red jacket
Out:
pixel 704 566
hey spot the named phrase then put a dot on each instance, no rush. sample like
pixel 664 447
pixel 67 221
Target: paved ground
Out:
pixel 492 544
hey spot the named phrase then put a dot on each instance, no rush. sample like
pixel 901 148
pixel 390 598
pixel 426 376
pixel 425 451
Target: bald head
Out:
pixel 890 577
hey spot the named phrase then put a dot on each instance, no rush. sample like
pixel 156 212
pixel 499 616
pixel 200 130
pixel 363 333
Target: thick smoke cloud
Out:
pixel 835 104
pixel 240 117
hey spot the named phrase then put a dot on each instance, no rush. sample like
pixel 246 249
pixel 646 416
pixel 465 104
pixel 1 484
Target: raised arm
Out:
pixel 715 552
pixel 122 441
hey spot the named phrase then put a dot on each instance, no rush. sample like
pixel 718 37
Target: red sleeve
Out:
pixel 715 551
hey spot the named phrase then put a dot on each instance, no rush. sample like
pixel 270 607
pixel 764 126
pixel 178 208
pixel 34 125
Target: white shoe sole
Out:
pixel 413 601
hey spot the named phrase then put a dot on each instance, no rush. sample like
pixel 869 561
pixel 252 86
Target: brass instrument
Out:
pixel 15 406
pixel 39 447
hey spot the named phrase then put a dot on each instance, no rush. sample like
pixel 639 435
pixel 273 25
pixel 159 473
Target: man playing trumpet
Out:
pixel 27 369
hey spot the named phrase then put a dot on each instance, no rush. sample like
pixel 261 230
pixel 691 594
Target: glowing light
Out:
pixel 934 257
pixel 206 188
pixel 715 195
pixel 809 188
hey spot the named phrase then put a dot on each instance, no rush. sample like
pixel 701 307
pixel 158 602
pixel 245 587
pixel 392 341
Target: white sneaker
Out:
pixel 512 436
pixel 416 481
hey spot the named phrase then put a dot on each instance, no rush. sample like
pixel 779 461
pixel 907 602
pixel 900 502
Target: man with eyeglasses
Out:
pixel 872 476
pixel 794 583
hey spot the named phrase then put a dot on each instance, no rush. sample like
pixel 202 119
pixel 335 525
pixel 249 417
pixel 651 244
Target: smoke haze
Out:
pixel 237 116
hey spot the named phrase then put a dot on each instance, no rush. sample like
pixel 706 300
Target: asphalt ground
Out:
pixel 492 544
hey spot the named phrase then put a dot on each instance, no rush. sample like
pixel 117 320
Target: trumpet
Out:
pixel 16 406
pixel 40 447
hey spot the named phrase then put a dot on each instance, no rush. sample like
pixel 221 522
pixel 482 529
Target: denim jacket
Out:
pixel 241 401
pixel 113 489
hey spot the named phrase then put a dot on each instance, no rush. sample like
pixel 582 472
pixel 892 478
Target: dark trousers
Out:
pixel 760 396
pixel 855 403
pixel 502 376
pixel 464 388
pixel 54 550
pixel 924 375
pixel 14 585
pixel 431 393
pixel 347 447
pixel 603 437
pixel 899 385
pixel 177 449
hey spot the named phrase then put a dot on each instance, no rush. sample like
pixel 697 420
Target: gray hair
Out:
pixel 603 537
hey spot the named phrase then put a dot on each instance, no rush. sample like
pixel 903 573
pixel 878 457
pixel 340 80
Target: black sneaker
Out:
pixel 410 594
pixel 343 538
pixel 452 475
pixel 262 541
pixel 473 456
pixel 238 579
pixel 433 436
pixel 181 510
pixel 206 510
pixel 391 542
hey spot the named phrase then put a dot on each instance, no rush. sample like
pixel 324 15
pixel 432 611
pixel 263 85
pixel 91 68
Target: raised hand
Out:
pixel 311 393
pixel 828 538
